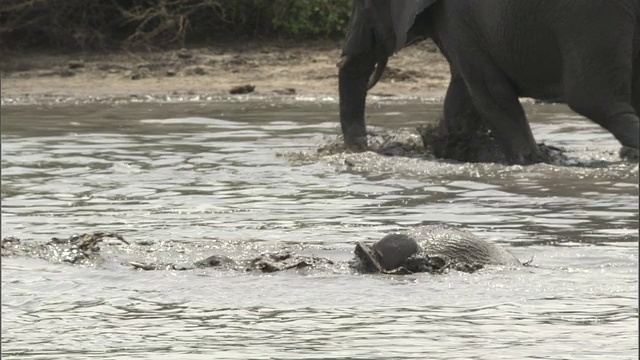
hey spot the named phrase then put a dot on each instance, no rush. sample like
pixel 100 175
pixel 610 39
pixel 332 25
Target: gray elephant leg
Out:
pixel 460 115
pixel 628 152
pixel 615 114
pixel 462 135
pixel 599 85
pixel 635 86
pixel 352 86
pixel 497 103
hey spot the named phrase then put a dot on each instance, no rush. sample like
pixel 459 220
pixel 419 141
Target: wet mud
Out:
pixel 99 249
pixel 264 68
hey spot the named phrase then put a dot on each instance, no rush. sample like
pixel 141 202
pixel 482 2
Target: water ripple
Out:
pixel 248 177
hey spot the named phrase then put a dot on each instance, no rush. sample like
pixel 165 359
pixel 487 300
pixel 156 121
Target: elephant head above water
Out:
pixel 586 53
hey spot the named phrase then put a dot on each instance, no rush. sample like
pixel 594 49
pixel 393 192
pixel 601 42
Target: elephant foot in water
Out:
pixel 476 147
pixel 629 154
pixel 396 142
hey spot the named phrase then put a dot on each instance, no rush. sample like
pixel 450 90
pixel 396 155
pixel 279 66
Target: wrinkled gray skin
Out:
pixel 584 52
pixel 457 246
pixel 433 248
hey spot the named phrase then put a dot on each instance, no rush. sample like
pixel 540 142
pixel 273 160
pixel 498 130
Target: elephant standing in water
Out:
pixel 584 52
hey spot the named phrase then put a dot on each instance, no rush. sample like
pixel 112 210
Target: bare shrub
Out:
pixel 84 24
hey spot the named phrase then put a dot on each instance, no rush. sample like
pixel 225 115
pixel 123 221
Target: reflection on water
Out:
pixel 232 174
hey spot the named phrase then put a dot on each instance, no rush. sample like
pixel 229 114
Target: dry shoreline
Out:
pixel 275 68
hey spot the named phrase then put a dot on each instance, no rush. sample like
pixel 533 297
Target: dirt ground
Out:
pixel 272 68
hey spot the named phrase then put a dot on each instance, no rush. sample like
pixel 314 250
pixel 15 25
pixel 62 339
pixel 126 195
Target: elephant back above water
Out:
pixel 584 52
pixel 457 246
pixel 431 248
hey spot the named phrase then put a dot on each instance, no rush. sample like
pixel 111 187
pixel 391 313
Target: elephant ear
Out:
pixel 381 24
pixel 404 13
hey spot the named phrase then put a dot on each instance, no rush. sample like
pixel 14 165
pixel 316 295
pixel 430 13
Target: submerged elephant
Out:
pixel 432 249
pixel 584 52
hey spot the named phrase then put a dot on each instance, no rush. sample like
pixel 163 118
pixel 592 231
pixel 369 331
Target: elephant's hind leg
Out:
pixel 497 103
pixel 627 152
pixel 635 86
pixel 460 114
pixel 613 112
pixel 600 84
pixel 461 135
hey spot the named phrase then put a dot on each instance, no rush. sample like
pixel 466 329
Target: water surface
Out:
pixel 245 177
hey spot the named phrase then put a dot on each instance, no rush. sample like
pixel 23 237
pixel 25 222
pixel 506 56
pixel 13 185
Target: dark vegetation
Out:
pixel 159 24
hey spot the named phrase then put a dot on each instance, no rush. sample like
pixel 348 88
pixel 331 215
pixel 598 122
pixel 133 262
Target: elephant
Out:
pixel 586 53
pixel 430 248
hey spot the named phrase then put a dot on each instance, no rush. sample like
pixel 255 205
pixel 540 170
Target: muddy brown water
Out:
pixel 244 177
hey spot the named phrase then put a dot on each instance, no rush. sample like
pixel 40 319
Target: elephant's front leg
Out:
pixel 352 84
pixel 498 105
